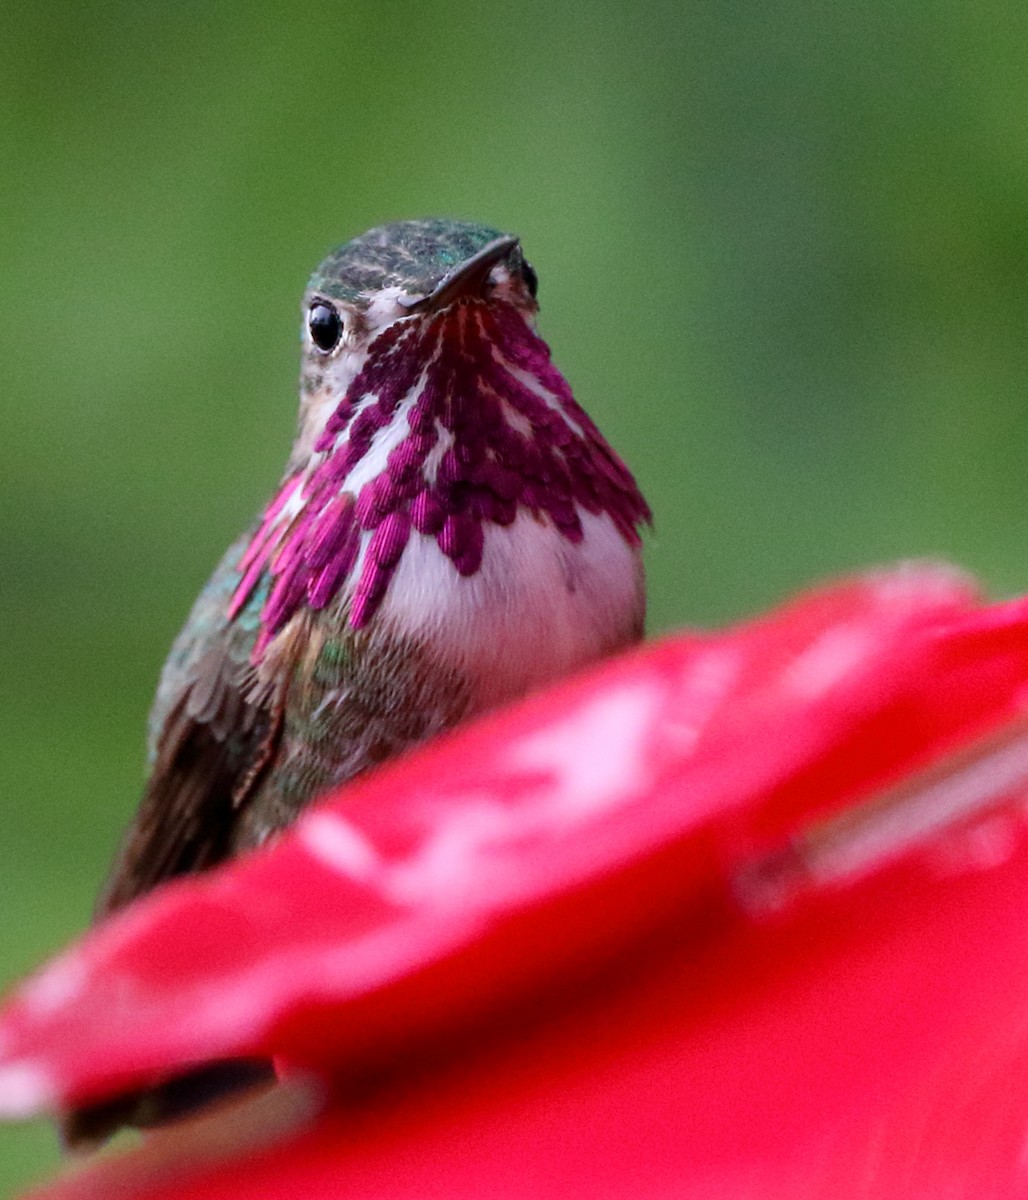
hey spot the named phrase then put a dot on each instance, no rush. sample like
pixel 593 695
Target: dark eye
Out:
pixel 531 279
pixel 325 325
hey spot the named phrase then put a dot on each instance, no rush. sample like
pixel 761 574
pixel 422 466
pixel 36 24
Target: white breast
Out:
pixel 538 607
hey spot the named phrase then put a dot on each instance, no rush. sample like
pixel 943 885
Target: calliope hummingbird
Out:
pixel 451 531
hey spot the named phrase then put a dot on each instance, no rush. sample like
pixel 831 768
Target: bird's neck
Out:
pixel 454 427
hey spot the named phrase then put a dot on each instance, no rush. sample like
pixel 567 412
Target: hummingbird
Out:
pixel 451 532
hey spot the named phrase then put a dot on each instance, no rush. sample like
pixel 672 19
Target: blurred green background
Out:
pixel 784 262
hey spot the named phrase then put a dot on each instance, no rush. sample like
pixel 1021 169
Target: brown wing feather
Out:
pixel 208 758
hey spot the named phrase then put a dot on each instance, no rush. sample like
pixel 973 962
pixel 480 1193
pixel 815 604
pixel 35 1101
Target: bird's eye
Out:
pixel 530 278
pixel 326 326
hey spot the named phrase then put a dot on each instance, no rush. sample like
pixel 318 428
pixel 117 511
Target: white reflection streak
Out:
pixel 883 828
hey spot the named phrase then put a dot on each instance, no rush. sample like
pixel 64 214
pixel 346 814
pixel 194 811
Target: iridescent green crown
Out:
pixel 408 254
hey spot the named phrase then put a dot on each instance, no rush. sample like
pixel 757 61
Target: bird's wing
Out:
pixel 211 736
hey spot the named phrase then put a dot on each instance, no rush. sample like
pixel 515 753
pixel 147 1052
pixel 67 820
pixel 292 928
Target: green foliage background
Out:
pixel 784 262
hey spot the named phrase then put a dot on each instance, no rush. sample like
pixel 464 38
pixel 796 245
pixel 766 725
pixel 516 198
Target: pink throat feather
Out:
pixel 500 444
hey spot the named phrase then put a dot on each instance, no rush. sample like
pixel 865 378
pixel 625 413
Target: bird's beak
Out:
pixel 466 279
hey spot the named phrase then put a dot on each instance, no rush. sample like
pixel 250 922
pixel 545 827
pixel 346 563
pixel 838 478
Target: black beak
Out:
pixel 465 279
